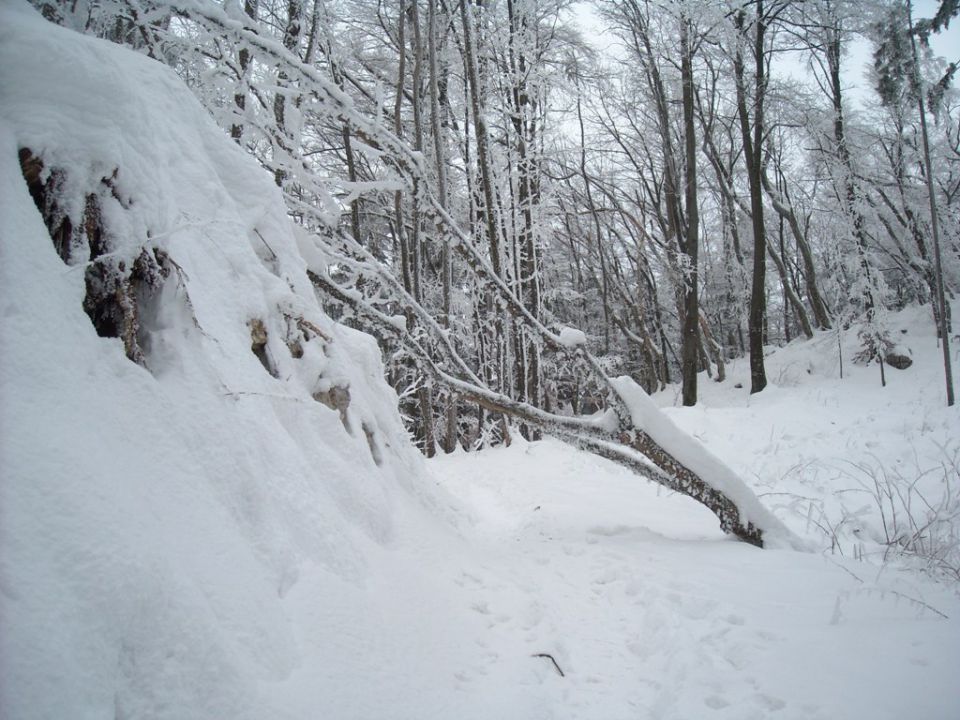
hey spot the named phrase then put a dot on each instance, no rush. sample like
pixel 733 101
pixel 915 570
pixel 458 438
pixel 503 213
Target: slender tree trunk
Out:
pixel 416 241
pixel 436 126
pixel 398 130
pixel 944 313
pixel 345 134
pixel 480 132
pixel 524 121
pixel 250 7
pixel 685 265
pixel 934 223
pixel 850 189
pixel 713 348
pixel 284 140
pixel 691 304
pixel 753 154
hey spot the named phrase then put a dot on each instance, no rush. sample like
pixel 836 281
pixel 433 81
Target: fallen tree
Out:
pixel 631 432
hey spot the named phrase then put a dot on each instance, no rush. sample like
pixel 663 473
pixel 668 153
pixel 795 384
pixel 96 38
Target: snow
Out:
pixel 651 612
pixel 199 538
pixel 645 414
pixel 154 519
pixel 572 338
pixel 812 442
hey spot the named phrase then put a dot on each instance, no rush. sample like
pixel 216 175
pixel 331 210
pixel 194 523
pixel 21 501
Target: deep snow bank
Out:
pixel 155 515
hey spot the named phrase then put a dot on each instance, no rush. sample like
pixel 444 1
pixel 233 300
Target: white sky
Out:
pixel 859 59
pixel 945 44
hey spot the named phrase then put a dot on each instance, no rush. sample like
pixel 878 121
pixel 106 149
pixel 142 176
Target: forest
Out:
pixel 520 217
pixel 484 177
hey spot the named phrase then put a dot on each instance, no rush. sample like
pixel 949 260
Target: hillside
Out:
pixel 159 518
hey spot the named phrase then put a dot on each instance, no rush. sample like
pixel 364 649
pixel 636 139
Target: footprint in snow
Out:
pixel 468 579
pixel 769 703
pixel 532 616
pixel 606 577
pixel 641 650
pixel 716 702
pixel 693 607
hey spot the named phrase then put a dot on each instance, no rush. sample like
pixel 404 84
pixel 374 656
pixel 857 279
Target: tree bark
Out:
pixel 753 155
pixel 446 260
pixel 691 301
pixel 934 223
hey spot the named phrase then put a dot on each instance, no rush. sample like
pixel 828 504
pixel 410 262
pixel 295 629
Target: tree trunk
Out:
pixel 250 7
pixel 446 260
pixel 284 142
pixel 480 133
pixel 691 302
pixel 752 156
pixel 934 223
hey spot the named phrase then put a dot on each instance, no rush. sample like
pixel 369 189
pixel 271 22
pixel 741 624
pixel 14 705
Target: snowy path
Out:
pixel 651 613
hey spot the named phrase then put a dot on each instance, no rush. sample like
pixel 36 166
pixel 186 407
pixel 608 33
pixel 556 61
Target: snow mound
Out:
pixel 184 431
pixel 572 338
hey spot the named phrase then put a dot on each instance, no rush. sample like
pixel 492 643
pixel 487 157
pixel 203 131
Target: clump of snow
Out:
pixel 399 322
pixel 572 338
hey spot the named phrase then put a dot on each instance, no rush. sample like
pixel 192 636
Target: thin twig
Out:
pixel 549 657
pixel 264 241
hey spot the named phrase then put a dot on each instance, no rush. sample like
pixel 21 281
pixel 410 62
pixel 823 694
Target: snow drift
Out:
pixel 155 513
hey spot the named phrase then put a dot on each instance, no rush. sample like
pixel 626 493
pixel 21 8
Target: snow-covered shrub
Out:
pixel 919 512
pixel 888 513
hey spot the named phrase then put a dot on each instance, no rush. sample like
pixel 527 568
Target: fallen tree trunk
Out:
pixel 634 433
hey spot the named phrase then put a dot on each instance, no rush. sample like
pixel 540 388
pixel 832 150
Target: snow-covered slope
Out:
pixel 155 517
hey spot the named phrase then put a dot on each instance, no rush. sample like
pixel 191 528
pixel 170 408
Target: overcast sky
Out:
pixel 858 61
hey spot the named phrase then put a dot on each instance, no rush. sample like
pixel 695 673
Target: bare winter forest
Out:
pixel 519 217
pixel 338 337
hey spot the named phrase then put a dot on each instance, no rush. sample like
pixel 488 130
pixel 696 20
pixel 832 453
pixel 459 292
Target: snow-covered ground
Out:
pixel 652 613
pixel 200 537
pixel 825 452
